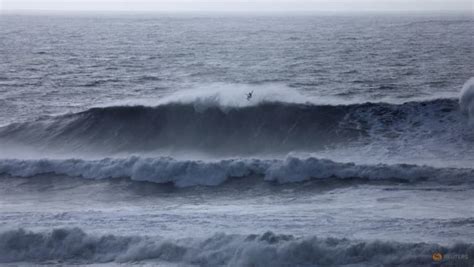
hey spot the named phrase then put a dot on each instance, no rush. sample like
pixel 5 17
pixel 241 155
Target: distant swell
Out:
pixel 74 246
pixel 268 127
pixel 190 173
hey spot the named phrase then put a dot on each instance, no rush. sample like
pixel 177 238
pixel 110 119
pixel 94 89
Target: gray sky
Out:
pixel 466 6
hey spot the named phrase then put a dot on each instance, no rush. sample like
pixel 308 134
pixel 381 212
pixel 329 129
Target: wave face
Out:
pixel 263 128
pixel 190 173
pixel 72 245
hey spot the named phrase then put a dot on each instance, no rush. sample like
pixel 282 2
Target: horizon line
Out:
pixel 237 12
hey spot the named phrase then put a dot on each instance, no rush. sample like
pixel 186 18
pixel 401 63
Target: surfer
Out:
pixel 249 96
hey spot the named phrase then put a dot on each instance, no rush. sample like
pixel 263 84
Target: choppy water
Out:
pixel 137 131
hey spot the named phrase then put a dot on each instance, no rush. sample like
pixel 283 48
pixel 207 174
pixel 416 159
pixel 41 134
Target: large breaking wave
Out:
pixel 72 245
pixel 195 172
pixel 266 127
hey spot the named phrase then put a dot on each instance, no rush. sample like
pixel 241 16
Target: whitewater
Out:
pixel 129 140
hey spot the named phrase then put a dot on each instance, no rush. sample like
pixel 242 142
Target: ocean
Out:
pixel 130 139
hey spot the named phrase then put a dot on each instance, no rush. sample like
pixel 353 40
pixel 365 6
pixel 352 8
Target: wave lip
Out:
pixel 184 173
pixel 73 245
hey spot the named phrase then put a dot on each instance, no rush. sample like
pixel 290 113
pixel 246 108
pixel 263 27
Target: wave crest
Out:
pixel 191 173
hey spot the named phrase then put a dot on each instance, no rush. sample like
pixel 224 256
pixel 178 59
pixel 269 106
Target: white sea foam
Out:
pixel 189 172
pixel 233 95
pixel 72 245
pixel 466 99
pixel 227 95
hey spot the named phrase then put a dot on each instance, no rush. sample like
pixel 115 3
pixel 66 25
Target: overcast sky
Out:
pixel 466 6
